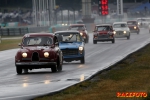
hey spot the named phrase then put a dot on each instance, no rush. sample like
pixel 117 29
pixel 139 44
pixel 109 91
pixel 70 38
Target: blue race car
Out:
pixel 72 45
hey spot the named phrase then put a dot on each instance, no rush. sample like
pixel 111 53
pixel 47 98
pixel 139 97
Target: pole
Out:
pixel 49 9
pixel 68 16
pixel 62 15
pixel 74 16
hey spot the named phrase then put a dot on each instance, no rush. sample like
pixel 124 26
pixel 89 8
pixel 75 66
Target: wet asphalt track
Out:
pixel 42 81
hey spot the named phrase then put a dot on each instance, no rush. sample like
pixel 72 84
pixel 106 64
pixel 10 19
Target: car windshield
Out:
pixel 103 28
pixel 78 28
pixel 131 23
pixel 119 25
pixel 69 37
pixel 42 41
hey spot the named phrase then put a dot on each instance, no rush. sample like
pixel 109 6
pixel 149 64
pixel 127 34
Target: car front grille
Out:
pixel 119 32
pixel 103 36
pixel 35 56
pixel 70 51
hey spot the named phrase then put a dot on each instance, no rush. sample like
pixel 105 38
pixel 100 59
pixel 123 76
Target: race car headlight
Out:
pixel 80 48
pixel 81 34
pixel 24 55
pixel 134 27
pixel 124 32
pixel 46 54
pixel 114 32
pixel 138 23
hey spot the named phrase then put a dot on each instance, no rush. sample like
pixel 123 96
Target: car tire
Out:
pixel 18 70
pixel 54 69
pixel 113 41
pixel 128 37
pixel 94 42
pixel 26 71
pixel 87 40
pixel 82 60
pixel 59 65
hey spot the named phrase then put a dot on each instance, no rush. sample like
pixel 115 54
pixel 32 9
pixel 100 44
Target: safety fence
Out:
pixel 24 30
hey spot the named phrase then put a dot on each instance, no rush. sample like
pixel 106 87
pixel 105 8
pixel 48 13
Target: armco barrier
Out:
pixel 13 31
pixel 0 39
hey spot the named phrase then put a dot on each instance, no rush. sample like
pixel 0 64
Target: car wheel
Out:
pixel 82 60
pixel 128 37
pixel 18 70
pixel 25 70
pixel 87 40
pixel 94 42
pixel 54 68
pixel 59 66
pixel 113 41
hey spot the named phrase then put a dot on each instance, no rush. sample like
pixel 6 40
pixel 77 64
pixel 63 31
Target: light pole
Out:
pixel 62 15
pixel 68 16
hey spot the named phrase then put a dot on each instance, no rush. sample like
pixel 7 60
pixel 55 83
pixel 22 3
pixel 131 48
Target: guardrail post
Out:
pixel 20 31
pixel 0 38
pixel 8 31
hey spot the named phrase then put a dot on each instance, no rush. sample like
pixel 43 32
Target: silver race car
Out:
pixel 121 30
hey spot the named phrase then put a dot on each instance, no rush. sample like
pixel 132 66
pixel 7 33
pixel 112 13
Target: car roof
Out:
pixel 38 34
pixel 120 23
pixel 104 25
pixel 67 31
pixel 77 25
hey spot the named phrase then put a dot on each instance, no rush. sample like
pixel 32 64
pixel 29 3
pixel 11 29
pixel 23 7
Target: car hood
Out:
pixel 121 29
pixel 36 48
pixel 72 45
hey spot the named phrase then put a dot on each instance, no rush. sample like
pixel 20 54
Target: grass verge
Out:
pixel 130 75
pixel 9 44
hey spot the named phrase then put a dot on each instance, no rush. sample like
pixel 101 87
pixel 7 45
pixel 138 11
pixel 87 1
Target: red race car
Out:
pixel 82 29
pixel 133 26
pixel 38 50
pixel 103 32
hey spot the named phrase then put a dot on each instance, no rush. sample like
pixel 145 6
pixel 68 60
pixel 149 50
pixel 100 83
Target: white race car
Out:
pixel 121 30
pixel 143 22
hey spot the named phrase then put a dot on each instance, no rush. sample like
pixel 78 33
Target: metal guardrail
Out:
pixel 13 31
pixel 0 39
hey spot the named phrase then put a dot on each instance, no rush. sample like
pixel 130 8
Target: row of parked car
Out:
pixel 45 50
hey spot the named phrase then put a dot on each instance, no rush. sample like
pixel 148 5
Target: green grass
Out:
pixel 130 75
pixel 9 44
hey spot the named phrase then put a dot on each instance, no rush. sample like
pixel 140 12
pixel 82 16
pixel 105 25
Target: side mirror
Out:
pixel 19 44
pixel 56 43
